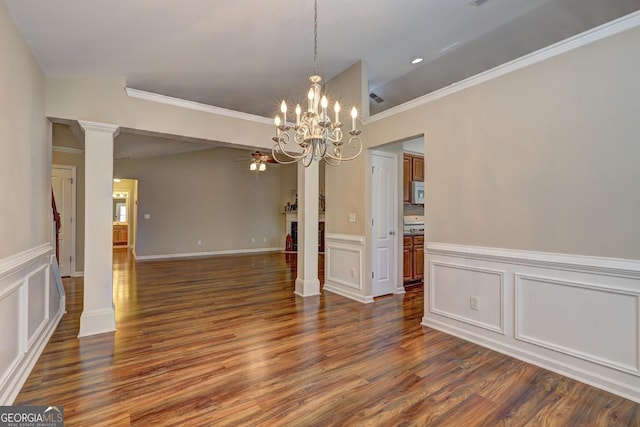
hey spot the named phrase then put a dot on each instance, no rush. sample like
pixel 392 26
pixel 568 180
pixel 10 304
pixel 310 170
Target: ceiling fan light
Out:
pixel 253 166
pixel 263 167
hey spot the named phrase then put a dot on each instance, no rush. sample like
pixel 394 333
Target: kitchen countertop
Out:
pixel 413 234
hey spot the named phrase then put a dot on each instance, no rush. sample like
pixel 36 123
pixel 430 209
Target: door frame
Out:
pixel 74 216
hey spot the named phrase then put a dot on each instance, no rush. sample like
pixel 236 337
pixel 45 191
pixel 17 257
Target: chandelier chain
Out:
pixel 315 38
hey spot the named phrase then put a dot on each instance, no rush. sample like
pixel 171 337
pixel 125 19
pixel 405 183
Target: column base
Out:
pixel 308 287
pixel 97 322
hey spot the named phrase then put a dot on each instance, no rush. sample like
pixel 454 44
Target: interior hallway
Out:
pixel 224 341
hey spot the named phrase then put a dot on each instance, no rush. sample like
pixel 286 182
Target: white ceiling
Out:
pixel 246 55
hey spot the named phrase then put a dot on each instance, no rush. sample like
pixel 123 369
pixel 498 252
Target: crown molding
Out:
pixel 609 29
pixel 68 150
pixel 192 105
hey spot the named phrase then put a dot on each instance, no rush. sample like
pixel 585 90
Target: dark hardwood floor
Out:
pixel 224 341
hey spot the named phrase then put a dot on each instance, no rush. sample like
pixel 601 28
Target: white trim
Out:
pixel 45 318
pixel 347 243
pixel 13 262
pixel 345 238
pixel 191 105
pixel 100 127
pixel 614 27
pixel 67 150
pixel 95 322
pixel 307 287
pixel 15 274
pixel 601 265
pixel 78 274
pixel 564 349
pixel 606 383
pixel 617 374
pixel 366 299
pixel 201 254
pixel 432 307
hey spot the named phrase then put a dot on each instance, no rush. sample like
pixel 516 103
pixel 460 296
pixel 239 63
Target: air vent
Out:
pixel 478 2
pixel 376 98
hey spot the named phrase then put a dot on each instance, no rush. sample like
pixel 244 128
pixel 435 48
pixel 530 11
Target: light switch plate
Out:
pixel 352 217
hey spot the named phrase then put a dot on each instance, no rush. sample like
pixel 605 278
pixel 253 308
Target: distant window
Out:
pixel 121 212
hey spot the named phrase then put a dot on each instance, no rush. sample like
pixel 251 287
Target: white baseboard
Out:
pixel 365 299
pixel 78 274
pixel 574 315
pixel 97 322
pixel 201 254
pixel 307 288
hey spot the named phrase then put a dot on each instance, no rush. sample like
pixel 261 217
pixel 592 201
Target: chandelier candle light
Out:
pixel 314 132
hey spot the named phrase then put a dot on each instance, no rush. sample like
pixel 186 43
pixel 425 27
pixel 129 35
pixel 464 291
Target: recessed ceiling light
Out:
pixel 417 60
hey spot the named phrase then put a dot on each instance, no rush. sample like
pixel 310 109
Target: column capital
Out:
pixel 99 127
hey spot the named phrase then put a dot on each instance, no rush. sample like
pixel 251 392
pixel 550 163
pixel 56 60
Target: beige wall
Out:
pixel 543 159
pixel 344 184
pixel 25 159
pixel 62 137
pixel 208 196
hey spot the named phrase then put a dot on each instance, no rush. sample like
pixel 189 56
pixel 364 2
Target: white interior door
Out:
pixel 62 183
pixel 384 205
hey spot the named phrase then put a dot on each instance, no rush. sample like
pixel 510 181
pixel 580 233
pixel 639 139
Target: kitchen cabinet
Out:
pixel 120 234
pixel 406 179
pixel 413 258
pixel 413 170
pixel 417 168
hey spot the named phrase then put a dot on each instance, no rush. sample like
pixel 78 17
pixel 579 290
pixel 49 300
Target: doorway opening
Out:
pixel 407 209
pixel 124 212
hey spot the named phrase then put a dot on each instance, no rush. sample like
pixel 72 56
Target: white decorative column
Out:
pixel 307 283
pixel 98 315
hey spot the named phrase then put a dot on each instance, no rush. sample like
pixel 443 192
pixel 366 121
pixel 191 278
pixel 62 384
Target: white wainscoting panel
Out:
pixel 575 315
pixel 344 263
pixel 28 316
pixel 10 333
pixel 38 302
pixel 453 286
pixel 589 321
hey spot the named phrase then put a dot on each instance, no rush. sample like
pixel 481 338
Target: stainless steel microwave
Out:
pixel 417 192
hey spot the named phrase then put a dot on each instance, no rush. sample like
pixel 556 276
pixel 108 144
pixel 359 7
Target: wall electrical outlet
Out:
pixel 253 240
pixel 474 302
pixel 199 242
pixel 352 217
pixel 353 273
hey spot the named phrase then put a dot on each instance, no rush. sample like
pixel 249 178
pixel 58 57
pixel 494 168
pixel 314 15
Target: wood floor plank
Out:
pixel 223 341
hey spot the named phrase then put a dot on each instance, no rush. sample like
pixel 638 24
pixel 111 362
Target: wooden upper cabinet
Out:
pixel 417 168
pixel 406 180
pixel 413 170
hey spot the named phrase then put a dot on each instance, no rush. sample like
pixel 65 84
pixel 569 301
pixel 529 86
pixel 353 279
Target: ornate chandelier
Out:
pixel 317 136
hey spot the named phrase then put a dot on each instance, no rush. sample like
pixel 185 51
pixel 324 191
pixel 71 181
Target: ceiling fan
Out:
pixel 259 161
